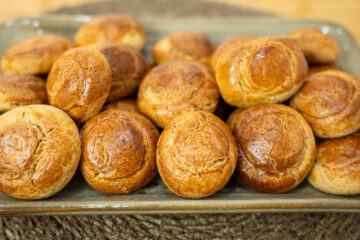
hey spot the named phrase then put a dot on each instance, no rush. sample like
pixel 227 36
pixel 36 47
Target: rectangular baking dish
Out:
pixel 79 198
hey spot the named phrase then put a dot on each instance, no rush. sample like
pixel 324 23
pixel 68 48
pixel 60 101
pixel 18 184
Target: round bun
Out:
pixel 225 46
pixel 196 155
pixel 184 46
pixel 19 90
pixel 128 68
pixel 40 151
pixel 337 169
pixel 330 102
pixel 79 83
pixel 35 55
pixel 173 88
pixel 123 104
pixel 118 154
pixel 320 68
pixel 112 27
pixel 316 46
pixel 276 147
pixel 267 70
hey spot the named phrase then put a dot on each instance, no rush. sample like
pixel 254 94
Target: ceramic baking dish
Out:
pixel 79 198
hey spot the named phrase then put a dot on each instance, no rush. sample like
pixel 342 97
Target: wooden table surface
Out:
pixel 343 12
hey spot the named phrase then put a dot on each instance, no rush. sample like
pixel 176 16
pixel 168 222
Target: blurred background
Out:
pixel 343 12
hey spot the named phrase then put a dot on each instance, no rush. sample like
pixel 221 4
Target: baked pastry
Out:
pixel 128 68
pixel 118 154
pixel 123 104
pixel 40 151
pixel 35 55
pixel 320 68
pixel 184 46
pixel 173 88
pixel 337 166
pixel 112 27
pixel 79 83
pixel 317 47
pixel 19 90
pixel 225 46
pixel 276 147
pixel 196 155
pixel 266 70
pixel 223 109
pixel 330 102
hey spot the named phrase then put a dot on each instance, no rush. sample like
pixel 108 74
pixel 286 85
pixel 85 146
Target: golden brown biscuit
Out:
pixel 79 83
pixel 112 27
pixel 128 68
pixel 35 55
pixel 266 70
pixel 40 151
pixel 223 109
pixel 184 46
pixel 330 102
pixel 173 88
pixel 276 147
pixel 19 90
pixel 119 150
pixel 317 47
pixel 320 68
pixel 337 166
pixel 123 104
pixel 225 46
pixel 196 154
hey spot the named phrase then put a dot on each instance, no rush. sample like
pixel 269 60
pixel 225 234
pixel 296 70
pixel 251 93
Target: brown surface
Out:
pixel 225 46
pixel 35 55
pixel 196 155
pixel 128 68
pixel 317 47
pixel 337 166
pixel 75 87
pixel 184 46
pixel 19 90
pixel 40 151
pixel 118 152
pixel 320 68
pixel 276 147
pixel 101 29
pixel 264 70
pixel 330 102
pixel 176 87
pixel 123 104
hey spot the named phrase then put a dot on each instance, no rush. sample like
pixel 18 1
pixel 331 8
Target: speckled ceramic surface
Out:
pixel 79 198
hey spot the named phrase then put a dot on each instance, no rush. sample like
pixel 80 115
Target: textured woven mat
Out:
pixel 206 226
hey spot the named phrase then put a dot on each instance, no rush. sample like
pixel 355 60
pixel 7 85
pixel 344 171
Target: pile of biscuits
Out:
pixel 103 106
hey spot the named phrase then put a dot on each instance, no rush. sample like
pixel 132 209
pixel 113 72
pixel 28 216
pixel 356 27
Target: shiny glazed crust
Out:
pixel 20 90
pixel 40 151
pixel 79 83
pixel 330 102
pixel 173 88
pixel 112 27
pixel 128 68
pixel 266 70
pixel 276 147
pixel 225 46
pixel 196 155
pixel 337 166
pixel 123 104
pixel 118 154
pixel 35 55
pixel 320 68
pixel 316 46
pixel 184 46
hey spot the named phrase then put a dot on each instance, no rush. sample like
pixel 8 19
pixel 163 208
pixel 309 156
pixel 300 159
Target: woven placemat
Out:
pixel 205 226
